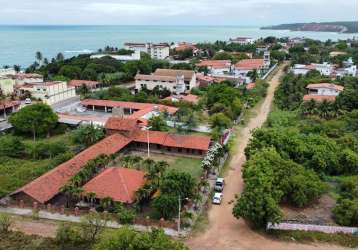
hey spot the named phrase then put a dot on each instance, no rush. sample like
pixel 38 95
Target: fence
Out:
pixel 269 72
pixel 314 228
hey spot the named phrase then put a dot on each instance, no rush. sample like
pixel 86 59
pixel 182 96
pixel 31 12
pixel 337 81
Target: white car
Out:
pixel 81 109
pixel 217 198
pixel 27 101
pixel 219 184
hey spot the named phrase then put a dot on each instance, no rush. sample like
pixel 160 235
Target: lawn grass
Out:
pixel 180 163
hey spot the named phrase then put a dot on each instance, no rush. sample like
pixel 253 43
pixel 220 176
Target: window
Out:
pixel 180 150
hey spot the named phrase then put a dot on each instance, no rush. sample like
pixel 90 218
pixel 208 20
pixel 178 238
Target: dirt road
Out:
pixel 225 232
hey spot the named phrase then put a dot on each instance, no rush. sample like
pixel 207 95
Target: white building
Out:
pixel 242 40
pixel 177 81
pixel 7 85
pixel 49 92
pixel 155 50
pixel 324 69
pixel 243 67
pixel 135 56
pixel 217 67
pixel 324 89
pixel 8 71
pixel 23 78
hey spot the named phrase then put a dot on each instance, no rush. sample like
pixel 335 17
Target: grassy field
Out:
pixel 180 163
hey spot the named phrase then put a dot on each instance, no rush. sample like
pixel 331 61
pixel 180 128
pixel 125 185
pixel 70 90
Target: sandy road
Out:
pixel 225 232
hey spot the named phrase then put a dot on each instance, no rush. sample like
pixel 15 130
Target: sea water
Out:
pixel 18 44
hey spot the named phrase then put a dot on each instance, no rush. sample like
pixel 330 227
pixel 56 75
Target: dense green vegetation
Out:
pixel 301 146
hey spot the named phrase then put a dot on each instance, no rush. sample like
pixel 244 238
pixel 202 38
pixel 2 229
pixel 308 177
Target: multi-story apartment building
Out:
pixel 155 50
pixel 49 92
pixel 177 81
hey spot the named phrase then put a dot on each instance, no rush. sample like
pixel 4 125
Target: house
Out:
pixel 79 83
pixel 243 67
pixel 322 91
pixel 135 56
pixel 155 50
pixel 123 134
pixel 324 69
pixel 242 40
pixel 176 81
pixel 204 80
pixel 327 89
pixel 217 67
pixel 250 86
pixel 118 183
pixel 49 92
pixel 193 99
pixel 349 69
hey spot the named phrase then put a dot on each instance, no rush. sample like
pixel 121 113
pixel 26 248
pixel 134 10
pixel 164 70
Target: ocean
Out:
pixel 18 44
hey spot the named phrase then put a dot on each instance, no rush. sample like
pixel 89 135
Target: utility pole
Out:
pixel 179 203
pixel 148 143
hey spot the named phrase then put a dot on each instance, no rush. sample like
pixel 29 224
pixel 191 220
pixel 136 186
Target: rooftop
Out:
pixel 325 86
pixel 48 185
pixel 250 64
pixel 79 83
pixel 214 63
pixel 118 183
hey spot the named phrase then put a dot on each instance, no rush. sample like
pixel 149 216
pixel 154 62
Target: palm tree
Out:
pixel 39 57
pixel 253 75
pixel 106 203
pixel 91 196
pixel 60 57
pixel 17 68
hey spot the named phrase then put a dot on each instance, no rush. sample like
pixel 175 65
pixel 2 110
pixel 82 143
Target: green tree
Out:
pixel 179 184
pixel 39 57
pixel 220 121
pixel 36 118
pixel 5 223
pixel 166 206
pixel 88 135
pixel 158 123
pixel 346 212
pixel 91 226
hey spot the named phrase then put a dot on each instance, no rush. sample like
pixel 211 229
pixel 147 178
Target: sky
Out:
pixel 175 12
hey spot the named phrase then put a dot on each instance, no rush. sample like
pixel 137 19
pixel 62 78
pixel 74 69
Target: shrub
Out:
pixel 125 215
pixel 5 223
pixel 166 206
pixel 11 146
pixel 67 236
pixel 346 212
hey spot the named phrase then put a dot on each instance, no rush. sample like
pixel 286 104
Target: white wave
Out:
pixel 79 51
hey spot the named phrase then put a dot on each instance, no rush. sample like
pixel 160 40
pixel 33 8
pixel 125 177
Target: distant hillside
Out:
pixel 340 27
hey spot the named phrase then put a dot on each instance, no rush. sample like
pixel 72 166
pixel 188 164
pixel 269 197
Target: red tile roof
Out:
pixel 250 86
pixel 250 64
pixel 215 63
pixel 9 104
pixel 319 98
pixel 198 142
pixel 185 46
pixel 48 185
pixel 118 183
pixel 79 83
pixel 147 107
pixel 186 98
pixel 325 86
pixel 117 123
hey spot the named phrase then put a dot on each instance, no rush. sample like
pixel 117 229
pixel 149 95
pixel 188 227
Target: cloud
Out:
pixel 230 12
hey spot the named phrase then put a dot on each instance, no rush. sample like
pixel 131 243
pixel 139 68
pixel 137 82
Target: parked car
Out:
pixel 81 109
pixel 27 101
pixel 217 198
pixel 219 184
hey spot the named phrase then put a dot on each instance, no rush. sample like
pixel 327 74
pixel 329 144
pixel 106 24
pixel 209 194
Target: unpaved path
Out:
pixel 41 228
pixel 225 232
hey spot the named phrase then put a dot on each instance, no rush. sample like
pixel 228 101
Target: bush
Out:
pixel 5 223
pixel 125 215
pixel 67 236
pixel 346 212
pixel 11 146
